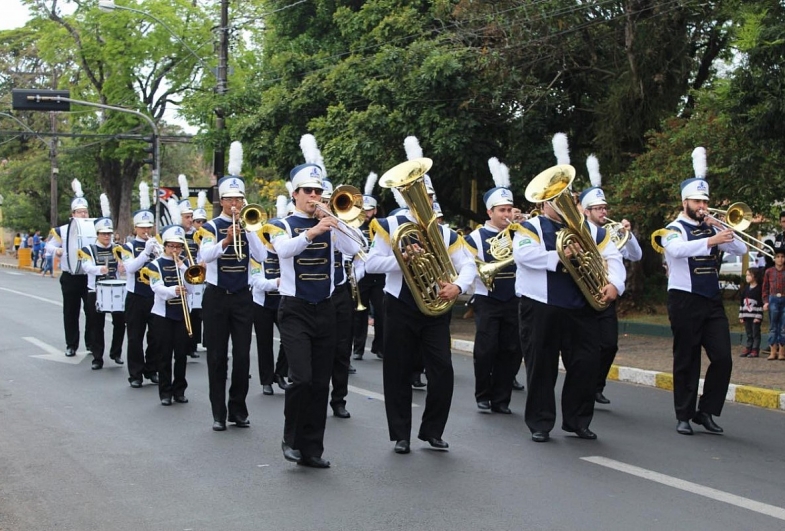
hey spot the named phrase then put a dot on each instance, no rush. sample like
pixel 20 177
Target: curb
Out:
pixel 741 394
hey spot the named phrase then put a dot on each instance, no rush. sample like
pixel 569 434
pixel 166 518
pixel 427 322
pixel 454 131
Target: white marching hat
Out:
pixel 103 225
pixel 231 186
pixel 437 209
pixel 497 196
pixel 369 202
pixel 592 197
pixel 185 207
pixel 307 175
pixel 144 218
pixel 173 233
pixel 428 184
pixel 327 186
pixel 200 213
pixel 697 187
pixel 79 201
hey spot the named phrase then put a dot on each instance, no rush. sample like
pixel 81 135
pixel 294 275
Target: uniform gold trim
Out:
pixel 313 276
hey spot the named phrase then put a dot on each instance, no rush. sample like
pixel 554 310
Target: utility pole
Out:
pixel 54 171
pixel 219 152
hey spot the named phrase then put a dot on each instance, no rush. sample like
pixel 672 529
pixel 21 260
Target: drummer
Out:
pixel 73 286
pixel 100 264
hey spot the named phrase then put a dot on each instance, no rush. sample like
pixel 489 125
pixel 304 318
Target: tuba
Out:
pixel 587 269
pixel 424 270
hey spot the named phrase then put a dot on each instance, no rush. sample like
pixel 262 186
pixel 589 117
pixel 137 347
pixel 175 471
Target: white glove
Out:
pixel 150 246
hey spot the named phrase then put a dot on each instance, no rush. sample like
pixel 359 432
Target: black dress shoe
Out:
pixel 501 408
pixel 70 353
pixel 341 413
pixel 118 360
pixel 417 382
pixel 600 398
pixel 219 426
pixel 357 356
pixel 290 454
pixel 267 390
pixel 436 444
pixel 379 354
pixel 281 381
pixel 166 401
pixel 684 427
pixel 240 422
pixel 518 386
pixel 181 399
pixel 705 420
pixel 540 436
pixel 97 365
pixel 193 355
pixel 352 370
pixel 582 433
pixel 153 377
pixel 402 447
pixel 314 462
pixel 136 384
pixel 484 405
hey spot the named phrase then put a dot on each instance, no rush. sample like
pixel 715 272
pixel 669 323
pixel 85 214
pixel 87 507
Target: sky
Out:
pixel 15 15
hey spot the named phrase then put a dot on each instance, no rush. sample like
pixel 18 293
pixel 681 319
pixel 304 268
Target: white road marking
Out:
pixel 708 492
pixel 370 394
pixel 13 273
pixel 36 297
pixel 53 353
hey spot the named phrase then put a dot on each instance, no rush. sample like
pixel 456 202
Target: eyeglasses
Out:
pixel 309 191
pixel 173 246
pixel 600 208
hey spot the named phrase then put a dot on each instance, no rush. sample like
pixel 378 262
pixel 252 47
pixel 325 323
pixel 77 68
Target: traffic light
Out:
pixel 152 141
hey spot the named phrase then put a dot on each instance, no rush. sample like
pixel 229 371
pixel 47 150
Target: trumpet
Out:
pixel 183 301
pixel 738 217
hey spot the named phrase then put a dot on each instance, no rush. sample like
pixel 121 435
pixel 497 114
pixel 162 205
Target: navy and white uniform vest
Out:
pixel 264 281
pixel 382 260
pixel 541 275
pixel 692 265
pixel 189 241
pixel 307 268
pixel 134 260
pixel 504 281
pixel 224 270
pixel 339 263
pixel 163 282
pixel 93 258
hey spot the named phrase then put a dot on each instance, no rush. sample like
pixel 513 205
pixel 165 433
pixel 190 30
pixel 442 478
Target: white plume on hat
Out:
pixel 500 173
pixel 235 158
pixel 280 206
pixel 699 162
pixel 174 211
pixel 311 152
pixel 183 180
pixel 561 148
pixel 399 198
pixel 289 187
pixel 76 186
pixel 370 182
pixel 201 199
pixel 106 211
pixel 412 147
pixel 144 196
pixel 593 165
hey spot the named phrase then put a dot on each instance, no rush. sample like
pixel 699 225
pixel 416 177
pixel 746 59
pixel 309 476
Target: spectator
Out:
pixel 36 246
pixel 17 244
pixel 48 262
pixel 751 311
pixel 774 302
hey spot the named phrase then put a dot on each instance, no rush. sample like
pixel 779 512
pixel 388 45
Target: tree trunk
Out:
pixel 117 180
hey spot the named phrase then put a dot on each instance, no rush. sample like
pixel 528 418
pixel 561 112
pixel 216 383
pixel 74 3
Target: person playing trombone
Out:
pixel 169 316
pixel 227 305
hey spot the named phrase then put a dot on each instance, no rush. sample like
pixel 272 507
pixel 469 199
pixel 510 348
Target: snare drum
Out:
pixel 195 294
pixel 81 233
pixel 110 296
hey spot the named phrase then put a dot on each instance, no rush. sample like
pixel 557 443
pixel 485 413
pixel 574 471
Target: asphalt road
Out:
pixel 81 450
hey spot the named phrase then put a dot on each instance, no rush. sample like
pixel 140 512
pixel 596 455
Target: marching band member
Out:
pixel 265 277
pixel 199 218
pixel 554 314
pixel 409 332
pixel 304 242
pixel 595 208
pixel 227 305
pixel 74 287
pixel 497 348
pixel 136 254
pixel 695 309
pixel 100 263
pixel 187 222
pixel 371 287
pixel 167 323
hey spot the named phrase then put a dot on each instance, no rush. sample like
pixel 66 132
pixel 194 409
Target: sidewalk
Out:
pixel 643 358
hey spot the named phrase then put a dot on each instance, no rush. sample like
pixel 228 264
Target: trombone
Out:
pixel 346 206
pixel 196 273
pixel 237 238
pixel 183 293
pixel 738 217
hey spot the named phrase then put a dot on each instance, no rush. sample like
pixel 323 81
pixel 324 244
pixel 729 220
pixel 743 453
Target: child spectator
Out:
pixel 17 244
pixel 774 302
pixel 751 311
pixel 48 263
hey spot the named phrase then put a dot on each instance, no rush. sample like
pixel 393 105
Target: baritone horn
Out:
pixel 618 233
pixel 738 218
pixel 500 248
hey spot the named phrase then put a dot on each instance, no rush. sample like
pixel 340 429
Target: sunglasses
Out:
pixel 309 191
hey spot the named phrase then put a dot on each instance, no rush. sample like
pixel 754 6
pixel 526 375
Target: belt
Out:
pixel 223 291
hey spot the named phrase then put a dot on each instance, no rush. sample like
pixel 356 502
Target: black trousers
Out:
pixel 699 322
pixel 497 349
pixel 545 331
pixel 308 337
pixel 171 338
pixel 609 342
pixel 196 328
pixel 141 362
pixel 228 315
pixel 344 309
pixel 409 334
pixel 74 288
pixel 263 321
pixel 97 331
pixel 372 295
